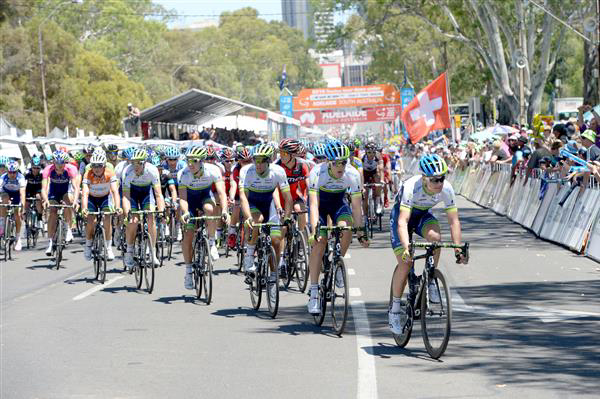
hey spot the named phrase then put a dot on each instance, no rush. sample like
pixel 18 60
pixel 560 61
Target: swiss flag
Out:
pixel 428 110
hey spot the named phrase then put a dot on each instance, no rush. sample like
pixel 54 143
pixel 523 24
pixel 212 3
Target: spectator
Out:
pixel 498 154
pixel 194 135
pixel 588 140
pixel 133 113
pixel 595 169
pixel 541 152
pixel 205 134
pixel 560 132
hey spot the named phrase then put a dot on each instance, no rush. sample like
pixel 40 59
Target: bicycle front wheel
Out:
pixel 9 238
pixel 206 273
pixel 59 243
pixel 301 259
pixel 138 267
pixel 101 255
pixel 160 243
pixel 148 266
pixel 436 315
pixel 339 297
pixel 272 283
pixel 403 338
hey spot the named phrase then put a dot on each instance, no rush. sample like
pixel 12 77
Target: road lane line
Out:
pixel 96 288
pixel 366 373
pixel 351 272
pixel 355 291
pixel 348 256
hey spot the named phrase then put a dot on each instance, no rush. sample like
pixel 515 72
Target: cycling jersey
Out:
pixel 99 186
pixel 296 177
pixel 108 166
pixel 370 165
pixel 331 192
pixel 34 183
pixel 140 186
pixel 235 175
pixel 356 163
pixel 13 186
pixel 198 187
pixel 259 189
pixel 165 181
pixel 181 164
pixel 311 164
pixel 58 183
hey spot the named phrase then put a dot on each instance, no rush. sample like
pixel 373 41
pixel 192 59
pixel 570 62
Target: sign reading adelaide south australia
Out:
pixel 355 115
pixel 347 97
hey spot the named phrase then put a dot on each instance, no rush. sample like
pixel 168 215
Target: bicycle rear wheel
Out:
pixel 59 243
pixel 9 236
pixel 256 287
pixel 28 229
pixel 160 243
pixel 272 291
pixel 206 273
pixel 436 318
pixel 402 339
pixel 289 267
pixel 339 297
pixel 241 248
pixel 148 266
pixel 301 260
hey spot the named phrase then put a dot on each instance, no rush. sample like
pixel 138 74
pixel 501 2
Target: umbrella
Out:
pixel 502 130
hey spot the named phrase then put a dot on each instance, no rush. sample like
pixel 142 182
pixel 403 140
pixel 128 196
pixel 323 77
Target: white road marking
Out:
pixel 367 379
pixel 348 256
pixel 96 288
pixel 355 291
pixel 351 272
pixel 546 315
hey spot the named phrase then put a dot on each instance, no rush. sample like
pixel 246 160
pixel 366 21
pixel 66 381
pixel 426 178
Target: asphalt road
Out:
pixel 525 324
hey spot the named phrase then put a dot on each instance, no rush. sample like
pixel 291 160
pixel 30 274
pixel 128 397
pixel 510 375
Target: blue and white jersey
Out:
pixel 329 188
pixel 181 164
pixel 148 178
pixel 12 186
pixel 413 194
pixel 119 170
pixel 260 188
pixel 201 182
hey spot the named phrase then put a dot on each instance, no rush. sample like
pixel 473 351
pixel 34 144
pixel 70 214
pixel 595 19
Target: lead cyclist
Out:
pixel 410 214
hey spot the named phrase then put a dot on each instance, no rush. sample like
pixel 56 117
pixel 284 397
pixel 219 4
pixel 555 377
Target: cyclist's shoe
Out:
pixel 179 236
pixel 69 236
pixel 397 320
pixel 188 282
pixel 18 244
pixel 339 279
pixel 87 252
pixel 109 254
pixel 231 241
pixel 214 252
pixel 249 265
pixel 49 250
pixel 314 306
pixel 129 260
pixel 155 260
pixel 434 293
pixel 378 211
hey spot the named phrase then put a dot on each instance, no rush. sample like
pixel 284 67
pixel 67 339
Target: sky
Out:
pixel 194 10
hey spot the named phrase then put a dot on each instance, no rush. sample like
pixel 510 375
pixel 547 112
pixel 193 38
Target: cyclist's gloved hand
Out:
pixel 185 218
pixel 119 211
pixel 406 255
pixel 225 217
pixel 461 257
pixel 85 212
pixel 248 222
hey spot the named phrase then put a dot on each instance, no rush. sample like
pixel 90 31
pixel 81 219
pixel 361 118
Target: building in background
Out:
pixel 297 14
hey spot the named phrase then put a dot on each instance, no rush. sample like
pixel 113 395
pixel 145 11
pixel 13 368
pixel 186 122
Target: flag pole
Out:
pixel 453 128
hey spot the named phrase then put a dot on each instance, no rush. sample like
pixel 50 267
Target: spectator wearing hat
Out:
pixel 498 153
pixel 588 140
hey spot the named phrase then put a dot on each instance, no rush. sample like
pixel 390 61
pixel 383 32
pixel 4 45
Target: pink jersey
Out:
pixel 50 172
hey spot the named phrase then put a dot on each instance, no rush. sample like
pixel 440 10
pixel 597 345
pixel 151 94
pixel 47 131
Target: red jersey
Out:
pixel 297 177
pixel 235 175
pixel 386 159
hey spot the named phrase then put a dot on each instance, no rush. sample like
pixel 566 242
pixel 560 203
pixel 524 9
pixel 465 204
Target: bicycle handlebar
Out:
pixel 373 185
pixel 11 205
pixel 102 213
pixel 191 219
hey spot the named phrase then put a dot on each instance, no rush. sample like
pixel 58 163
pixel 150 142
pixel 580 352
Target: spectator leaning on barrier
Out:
pixel 498 153
pixel 560 132
pixel 540 152
pixel 588 140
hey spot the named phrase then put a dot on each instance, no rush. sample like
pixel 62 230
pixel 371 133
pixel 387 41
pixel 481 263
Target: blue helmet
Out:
pixel 155 160
pixel 319 150
pixel 36 161
pixel 128 152
pixel 172 152
pixel 60 157
pixel 336 150
pixel 433 165
pixel 12 166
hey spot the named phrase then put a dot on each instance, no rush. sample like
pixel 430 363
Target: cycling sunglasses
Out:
pixel 437 180
pixel 194 161
pixel 138 163
pixel 97 165
pixel 262 160
pixel 172 159
pixel 341 162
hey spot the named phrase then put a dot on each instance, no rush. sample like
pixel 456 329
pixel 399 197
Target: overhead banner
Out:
pixel 341 116
pixel 347 97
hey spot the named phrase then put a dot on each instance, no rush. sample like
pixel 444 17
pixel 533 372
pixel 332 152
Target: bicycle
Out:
pixel 265 262
pixel 143 268
pixel 396 180
pixel 372 216
pixel 295 255
pixel 171 238
pixel 333 286
pixel 58 241
pixel 202 263
pixel 9 237
pixel 419 304
pixel 162 243
pixel 32 230
pixel 99 255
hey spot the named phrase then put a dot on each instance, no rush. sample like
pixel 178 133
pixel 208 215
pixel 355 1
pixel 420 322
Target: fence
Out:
pixel 550 208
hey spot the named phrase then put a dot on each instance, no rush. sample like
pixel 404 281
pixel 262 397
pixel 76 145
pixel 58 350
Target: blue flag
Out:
pixel 283 79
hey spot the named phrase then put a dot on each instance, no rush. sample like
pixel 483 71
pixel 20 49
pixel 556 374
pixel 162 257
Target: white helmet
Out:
pixel 99 150
pixel 98 158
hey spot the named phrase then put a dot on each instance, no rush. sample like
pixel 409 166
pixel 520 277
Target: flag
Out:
pixel 428 110
pixel 283 78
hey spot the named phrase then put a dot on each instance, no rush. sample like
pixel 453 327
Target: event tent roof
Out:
pixel 199 107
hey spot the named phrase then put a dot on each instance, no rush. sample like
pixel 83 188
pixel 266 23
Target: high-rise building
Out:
pixel 323 22
pixel 297 14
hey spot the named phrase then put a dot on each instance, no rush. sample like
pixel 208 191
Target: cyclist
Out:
pixel 99 184
pixel 258 182
pixel 168 185
pixel 411 214
pixel 112 154
pixel 141 191
pixel 328 183
pixel 61 182
pixel 302 156
pixel 243 159
pixel 88 151
pixel 12 190
pixel 196 198
pixel 372 173
pixel 33 177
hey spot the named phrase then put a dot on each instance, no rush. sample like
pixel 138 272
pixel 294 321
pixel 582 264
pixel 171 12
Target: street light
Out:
pixel 175 71
pixel 42 58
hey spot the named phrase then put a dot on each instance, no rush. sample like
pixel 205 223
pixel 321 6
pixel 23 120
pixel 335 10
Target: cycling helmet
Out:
pixel 243 154
pixel 210 152
pixel 99 150
pixel 319 150
pixel 172 152
pixel 433 165
pixel 78 156
pixel 197 153
pixel 139 155
pixel 263 150
pixel 370 147
pixel 301 151
pixel 89 149
pixel 289 145
pixel 36 161
pixel 98 158
pixel 226 154
pixel 155 160
pixel 112 148
pixel 336 151
pixel 60 157
pixel 351 146
pixel 12 166
pixel 128 152
pixel 357 143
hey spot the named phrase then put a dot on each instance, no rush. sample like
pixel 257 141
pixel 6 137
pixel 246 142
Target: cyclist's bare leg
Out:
pixel 152 229
pixel 52 222
pixel 89 227
pixel 4 199
pixel 38 204
pixel 131 230
pixel 400 276
pixel 256 218
pixel 431 232
pixel 235 215
pixel 68 199
pixel 316 257
pixel 346 236
pixel 108 228
pixel 210 210
pixel 186 244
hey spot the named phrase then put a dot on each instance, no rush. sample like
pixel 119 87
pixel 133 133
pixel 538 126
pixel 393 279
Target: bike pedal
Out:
pixel 248 280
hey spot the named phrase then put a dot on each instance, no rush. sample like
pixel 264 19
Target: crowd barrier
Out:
pixel 551 209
